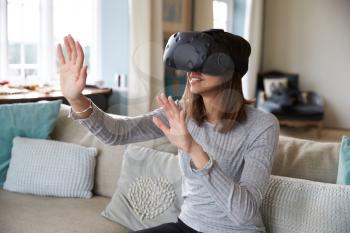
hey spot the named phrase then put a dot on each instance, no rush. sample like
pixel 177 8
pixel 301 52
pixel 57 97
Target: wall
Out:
pixel 312 38
pixel 115 49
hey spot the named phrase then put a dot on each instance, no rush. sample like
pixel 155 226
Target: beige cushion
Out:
pixel 109 158
pixel 32 214
pixel 307 159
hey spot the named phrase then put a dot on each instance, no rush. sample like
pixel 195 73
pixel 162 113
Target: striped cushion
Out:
pixel 51 168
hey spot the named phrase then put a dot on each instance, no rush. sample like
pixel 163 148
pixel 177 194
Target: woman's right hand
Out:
pixel 72 71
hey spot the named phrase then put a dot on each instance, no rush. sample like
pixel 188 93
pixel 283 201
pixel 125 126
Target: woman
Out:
pixel 225 146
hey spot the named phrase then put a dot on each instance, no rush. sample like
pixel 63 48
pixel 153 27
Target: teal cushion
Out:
pixel 344 162
pixel 31 120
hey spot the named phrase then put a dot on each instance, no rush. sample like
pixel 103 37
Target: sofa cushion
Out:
pixel 33 120
pixel 295 205
pixel 149 189
pixel 51 168
pixel 32 214
pixel 109 159
pixel 344 162
pixel 306 159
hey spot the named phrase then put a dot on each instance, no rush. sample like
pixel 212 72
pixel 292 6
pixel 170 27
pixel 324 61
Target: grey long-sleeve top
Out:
pixel 226 195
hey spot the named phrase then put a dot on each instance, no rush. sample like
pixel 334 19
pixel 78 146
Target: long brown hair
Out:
pixel 230 103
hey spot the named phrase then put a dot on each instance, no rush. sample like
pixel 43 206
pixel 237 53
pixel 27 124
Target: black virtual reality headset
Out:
pixel 198 51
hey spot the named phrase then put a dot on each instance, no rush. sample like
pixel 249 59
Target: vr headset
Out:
pixel 198 51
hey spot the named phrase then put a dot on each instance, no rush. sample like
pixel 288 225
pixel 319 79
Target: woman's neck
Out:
pixel 211 108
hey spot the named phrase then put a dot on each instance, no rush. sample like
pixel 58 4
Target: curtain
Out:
pixel 146 70
pixel 253 33
pixel 202 15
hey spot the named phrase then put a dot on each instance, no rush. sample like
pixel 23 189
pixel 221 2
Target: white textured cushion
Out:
pixel 51 168
pixel 301 206
pixel 149 189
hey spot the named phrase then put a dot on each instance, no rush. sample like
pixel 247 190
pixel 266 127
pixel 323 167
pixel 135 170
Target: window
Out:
pixel 23 39
pixel 223 14
pixel 31 29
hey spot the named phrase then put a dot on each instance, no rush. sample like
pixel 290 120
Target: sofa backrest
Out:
pixel 307 159
pixel 109 158
pixel 298 158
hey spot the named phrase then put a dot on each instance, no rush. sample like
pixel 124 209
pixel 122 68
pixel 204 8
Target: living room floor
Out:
pixel 327 135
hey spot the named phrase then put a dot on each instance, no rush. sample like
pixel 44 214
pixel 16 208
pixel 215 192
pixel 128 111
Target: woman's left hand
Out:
pixel 177 133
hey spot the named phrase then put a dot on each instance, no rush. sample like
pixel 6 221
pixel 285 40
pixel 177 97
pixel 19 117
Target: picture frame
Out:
pixel 177 16
pixel 271 84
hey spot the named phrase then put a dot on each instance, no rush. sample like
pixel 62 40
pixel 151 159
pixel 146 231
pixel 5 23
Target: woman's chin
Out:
pixel 203 90
pixel 200 86
pixel 195 90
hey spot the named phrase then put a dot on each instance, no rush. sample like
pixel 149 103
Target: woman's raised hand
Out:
pixel 72 71
pixel 177 134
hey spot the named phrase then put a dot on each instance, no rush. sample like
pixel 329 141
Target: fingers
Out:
pixel 166 110
pixel 183 117
pixel 80 55
pixel 72 46
pixel 161 125
pixel 83 75
pixel 67 47
pixel 60 55
pixel 169 105
pixel 74 50
pixel 162 100
pixel 173 105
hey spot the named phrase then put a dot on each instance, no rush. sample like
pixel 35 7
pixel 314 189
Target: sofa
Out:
pixel 299 163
